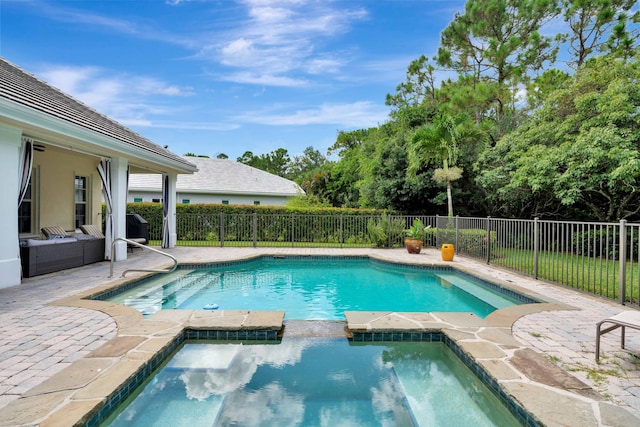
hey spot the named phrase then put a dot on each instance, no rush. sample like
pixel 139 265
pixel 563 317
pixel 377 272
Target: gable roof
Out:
pixel 221 176
pixel 23 88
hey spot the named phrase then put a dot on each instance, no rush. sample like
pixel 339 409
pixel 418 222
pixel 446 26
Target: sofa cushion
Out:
pixel 36 242
pixel 80 236
pixel 65 240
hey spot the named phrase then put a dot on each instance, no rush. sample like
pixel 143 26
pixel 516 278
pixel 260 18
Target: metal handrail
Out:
pixel 131 242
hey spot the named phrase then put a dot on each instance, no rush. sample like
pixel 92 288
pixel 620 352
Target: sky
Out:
pixel 225 76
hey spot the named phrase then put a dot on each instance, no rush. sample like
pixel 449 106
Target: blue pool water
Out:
pixel 316 288
pixel 313 382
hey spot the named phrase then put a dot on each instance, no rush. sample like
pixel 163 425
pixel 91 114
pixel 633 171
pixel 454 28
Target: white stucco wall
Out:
pixel 234 199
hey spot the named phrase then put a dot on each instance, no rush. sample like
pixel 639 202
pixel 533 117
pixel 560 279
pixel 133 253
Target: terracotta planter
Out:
pixel 414 246
pixel 448 252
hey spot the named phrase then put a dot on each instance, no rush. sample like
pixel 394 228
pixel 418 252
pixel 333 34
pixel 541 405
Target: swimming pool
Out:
pixel 317 288
pixel 313 382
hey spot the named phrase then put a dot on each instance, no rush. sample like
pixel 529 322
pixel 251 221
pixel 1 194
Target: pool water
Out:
pixel 313 382
pixel 316 289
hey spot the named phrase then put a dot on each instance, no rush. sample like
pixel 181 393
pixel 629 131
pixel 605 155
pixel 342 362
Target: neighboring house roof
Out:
pixel 23 88
pixel 221 176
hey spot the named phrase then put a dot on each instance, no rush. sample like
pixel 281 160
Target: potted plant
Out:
pixel 415 237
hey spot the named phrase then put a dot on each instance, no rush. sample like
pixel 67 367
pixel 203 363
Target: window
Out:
pixel 256 202
pixel 155 200
pixel 225 202
pixel 137 200
pixel 185 201
pixel 25 211
pixel 80 200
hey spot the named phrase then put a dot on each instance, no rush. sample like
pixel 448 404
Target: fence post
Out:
pixel 437 228
pixel 293 239
pixel 536 246
pixel 390 218
pixel 255 229
pixel 488 240
pixel 341 229
pixel 455 248
pixel 222 229
pixel 622 259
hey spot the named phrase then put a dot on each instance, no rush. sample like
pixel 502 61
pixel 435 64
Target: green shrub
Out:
pixel 382 230
pixel 211 222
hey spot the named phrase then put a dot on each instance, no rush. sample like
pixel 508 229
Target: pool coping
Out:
pixel 549 394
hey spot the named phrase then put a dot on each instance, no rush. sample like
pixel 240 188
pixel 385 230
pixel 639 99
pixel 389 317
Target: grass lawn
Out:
pixel 594 275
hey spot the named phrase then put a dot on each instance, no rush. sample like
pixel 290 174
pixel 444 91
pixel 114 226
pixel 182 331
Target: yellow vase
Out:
pixel 447 252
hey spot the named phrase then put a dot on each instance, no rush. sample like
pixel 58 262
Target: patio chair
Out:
pixel 626 319
pixel 54 232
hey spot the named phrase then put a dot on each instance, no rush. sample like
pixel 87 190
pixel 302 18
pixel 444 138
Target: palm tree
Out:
pixel 438 141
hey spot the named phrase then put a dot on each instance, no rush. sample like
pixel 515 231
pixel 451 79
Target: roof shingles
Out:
pixel 221 176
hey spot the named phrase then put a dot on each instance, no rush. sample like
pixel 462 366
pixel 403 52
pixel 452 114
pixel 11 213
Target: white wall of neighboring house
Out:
pixel 195 198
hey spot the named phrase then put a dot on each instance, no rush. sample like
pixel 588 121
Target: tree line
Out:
pixel 524 124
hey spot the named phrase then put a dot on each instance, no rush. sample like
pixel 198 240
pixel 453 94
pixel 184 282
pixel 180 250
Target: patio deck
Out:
pixel 59 351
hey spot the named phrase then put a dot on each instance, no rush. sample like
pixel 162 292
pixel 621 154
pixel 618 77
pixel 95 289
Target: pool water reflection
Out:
pixel 313 382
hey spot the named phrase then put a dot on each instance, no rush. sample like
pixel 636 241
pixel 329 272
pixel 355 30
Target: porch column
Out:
pixel 10 143
pixel 171 204
pixel 119 167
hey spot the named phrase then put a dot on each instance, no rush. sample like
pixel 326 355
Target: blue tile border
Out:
pixel 397 336
pixel 516 410
pixel 125 390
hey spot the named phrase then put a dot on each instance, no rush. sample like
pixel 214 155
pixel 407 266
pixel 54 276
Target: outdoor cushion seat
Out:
pixel 55 232
pixel 60 251
pixel 92 230
pixel 35 242
pixel 626 319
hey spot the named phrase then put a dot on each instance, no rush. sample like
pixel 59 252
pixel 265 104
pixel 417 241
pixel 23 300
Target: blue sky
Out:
pixel 225 76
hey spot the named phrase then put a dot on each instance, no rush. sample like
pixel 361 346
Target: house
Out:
pixel 219 181
pixel 59 158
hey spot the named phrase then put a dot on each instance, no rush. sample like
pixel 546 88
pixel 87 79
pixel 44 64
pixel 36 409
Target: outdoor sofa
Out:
pixel 60 251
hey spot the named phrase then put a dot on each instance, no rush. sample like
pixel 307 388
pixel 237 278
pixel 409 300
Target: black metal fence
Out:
pixel 599 258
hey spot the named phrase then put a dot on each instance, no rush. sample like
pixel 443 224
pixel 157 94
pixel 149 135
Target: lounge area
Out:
pixel 60 250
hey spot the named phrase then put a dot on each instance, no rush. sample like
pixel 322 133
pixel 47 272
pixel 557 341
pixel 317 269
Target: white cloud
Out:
pixel 361 114
pixel 183 125
pixel 274 40
pixel 264 79
pixel 137 28
pixel 279 39
pixel 238 52
pixel 127 98
pixel 324 66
